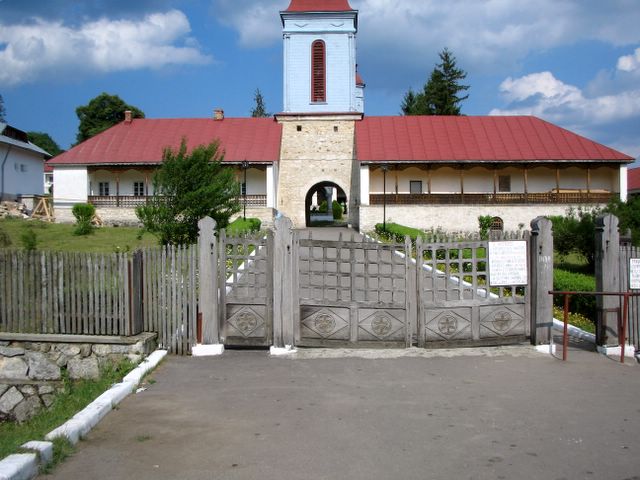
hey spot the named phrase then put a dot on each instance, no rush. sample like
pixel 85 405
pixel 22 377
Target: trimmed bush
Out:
pixel 240 226
pixel 84 213
pixel 323 207
pixel 484 222
pixel 337 210
pixel 575 282
pixel 396 232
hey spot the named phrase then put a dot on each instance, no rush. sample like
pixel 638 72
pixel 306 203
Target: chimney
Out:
pixel 218 114
pixel 127 116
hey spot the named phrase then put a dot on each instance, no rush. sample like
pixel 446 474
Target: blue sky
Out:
pixel 573 62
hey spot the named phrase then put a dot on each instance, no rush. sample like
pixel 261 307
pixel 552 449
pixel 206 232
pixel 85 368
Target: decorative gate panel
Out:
pixel 456 305
pixel 246 293
pixel 352 293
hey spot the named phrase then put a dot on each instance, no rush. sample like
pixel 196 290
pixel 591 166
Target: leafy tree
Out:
pixel 45 142
pixel 441 94
pixel 188 187
pixel 101 113
pixel 575 232
pixel 629 215
pixel 260 109
pixel 3 112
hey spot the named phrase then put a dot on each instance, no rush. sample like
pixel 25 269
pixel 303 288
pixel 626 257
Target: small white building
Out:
pixel 21 164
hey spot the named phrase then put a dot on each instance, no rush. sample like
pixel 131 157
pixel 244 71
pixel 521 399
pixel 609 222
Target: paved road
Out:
pixel 244 415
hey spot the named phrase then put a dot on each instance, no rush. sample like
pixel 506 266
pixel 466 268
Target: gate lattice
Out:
pixel 627 252
pixel 352 293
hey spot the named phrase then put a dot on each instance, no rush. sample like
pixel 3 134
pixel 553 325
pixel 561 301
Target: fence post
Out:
pixel 541 259
pixel 136 325
pixel 607 257
pixel 284 290
pixel 208 276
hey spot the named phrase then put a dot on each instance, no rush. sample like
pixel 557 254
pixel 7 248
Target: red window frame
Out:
pixel 318 72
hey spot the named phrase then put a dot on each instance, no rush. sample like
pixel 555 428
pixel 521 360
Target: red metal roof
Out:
pixel 319 6
pixel 480 139
pixel 144 140
pixel 633 179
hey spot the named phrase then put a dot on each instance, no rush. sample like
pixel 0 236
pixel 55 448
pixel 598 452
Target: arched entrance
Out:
pixel 318 205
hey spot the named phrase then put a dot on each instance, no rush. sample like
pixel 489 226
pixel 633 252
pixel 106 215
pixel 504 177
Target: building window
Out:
pixel 103 189
pixel 415 186
pixel 497 225
pixel 138 189
pixel 318 72
pixel 243 189
pixel 504 183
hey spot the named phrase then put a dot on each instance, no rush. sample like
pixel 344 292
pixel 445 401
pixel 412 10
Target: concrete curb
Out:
pixel 25 466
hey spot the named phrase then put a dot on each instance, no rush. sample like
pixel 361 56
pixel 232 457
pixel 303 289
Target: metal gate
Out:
pixel 352 292
pixel 628 252
pixel 456 305
pixel 246 289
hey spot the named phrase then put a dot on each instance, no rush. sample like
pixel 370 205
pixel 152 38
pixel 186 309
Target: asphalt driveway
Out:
pixel 483 414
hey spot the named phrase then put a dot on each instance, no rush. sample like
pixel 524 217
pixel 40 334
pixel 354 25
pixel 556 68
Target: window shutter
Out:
pixel 318 72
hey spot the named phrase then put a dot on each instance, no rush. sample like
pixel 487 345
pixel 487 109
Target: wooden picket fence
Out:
pixel 153 290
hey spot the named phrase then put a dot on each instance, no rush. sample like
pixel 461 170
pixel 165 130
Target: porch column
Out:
pixel 146 183
pixel 495 183
pixel 364 184
pixel 623 183
pixel 462 184
pixel 271 186
pixel 117 189
pixel 525 173
pixel 588 180
pixel 429 179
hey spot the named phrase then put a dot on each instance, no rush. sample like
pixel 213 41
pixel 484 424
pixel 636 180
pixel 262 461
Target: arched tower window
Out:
pixel 318 72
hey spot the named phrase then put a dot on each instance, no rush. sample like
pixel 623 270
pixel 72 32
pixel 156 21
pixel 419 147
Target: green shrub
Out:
pixel 323 207
pixel 29 239
pixel 575 282
pixel 5 239
pixel 337 210
pixel 242 225
pixel 484 222
pixel 84 213
pixel 396 232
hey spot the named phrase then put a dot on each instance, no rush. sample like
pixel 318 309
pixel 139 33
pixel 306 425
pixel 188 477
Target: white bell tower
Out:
pixel 320 58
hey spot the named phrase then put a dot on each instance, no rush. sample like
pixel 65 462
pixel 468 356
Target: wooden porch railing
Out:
pixel 489 198
pixel 131 201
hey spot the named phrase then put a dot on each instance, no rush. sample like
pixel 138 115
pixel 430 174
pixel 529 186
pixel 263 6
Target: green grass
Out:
pixel 60 238
pixel 76 395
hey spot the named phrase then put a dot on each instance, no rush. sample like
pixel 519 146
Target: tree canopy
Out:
pixel 441 94
pixel 45 142
pixel 260 109
pixel 101 113
pixel 3 112
pixel 188 187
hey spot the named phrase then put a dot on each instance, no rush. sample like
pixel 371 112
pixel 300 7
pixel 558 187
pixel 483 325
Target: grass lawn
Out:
pixel 76 396
pixel 59 237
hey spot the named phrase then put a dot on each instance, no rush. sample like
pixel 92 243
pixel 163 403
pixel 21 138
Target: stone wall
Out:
pixel 314 151
pixel 456 218
pixel 32 366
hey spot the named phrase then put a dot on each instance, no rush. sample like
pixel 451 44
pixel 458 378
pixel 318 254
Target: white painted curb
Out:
pixel 207 350
pixel 21 466
pixel 629 351
pixel 25 466
pixel 546 349
pixel 574 331
pixel 279 352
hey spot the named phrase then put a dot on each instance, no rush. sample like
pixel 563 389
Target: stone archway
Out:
pixel 324 191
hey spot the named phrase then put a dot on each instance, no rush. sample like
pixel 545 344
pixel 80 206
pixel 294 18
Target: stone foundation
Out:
pixel 32 366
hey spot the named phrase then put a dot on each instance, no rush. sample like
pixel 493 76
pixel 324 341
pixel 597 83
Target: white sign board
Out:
pixel 634 273
pixel 508 263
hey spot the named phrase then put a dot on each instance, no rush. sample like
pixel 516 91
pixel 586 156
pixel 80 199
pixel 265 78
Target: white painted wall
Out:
pixel 126 181
pixel 23 171
pixel 624 183
pixel 338 31
pixel 71 186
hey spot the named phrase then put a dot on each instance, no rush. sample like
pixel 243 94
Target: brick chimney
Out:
pixel 127 116
pixel 218 114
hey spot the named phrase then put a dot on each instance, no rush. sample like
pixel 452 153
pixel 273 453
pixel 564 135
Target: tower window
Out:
pixel 318 72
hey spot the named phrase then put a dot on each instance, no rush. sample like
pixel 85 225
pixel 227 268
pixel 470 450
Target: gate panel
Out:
pixel 457 307
pixel 352 294
pixel 246 293
pixel 627 252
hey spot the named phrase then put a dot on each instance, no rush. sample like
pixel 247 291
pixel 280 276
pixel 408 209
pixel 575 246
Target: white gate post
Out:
pixel 208 297
pixel 607 280
pixel 284 289
pixel 541 255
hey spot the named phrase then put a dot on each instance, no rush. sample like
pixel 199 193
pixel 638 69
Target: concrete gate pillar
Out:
pixel 541 259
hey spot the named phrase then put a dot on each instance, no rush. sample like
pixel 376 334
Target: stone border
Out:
pixel 25 466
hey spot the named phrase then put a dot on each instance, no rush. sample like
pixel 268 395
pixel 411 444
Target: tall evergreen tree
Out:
pixel 441 94
pixel 45 142
pixel 260 109
pixel 3 112
pixel 101 113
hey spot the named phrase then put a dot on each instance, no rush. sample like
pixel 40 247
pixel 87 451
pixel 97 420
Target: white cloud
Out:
pixel 545 96
pixel 29 51
pixel 630 63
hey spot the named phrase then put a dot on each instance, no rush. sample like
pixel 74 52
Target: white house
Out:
pixel 427 172
pixel 21 164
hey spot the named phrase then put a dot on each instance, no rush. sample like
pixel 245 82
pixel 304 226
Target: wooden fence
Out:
pixel 65 293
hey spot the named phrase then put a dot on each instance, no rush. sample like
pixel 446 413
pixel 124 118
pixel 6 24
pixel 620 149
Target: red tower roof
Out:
pixel 319 6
